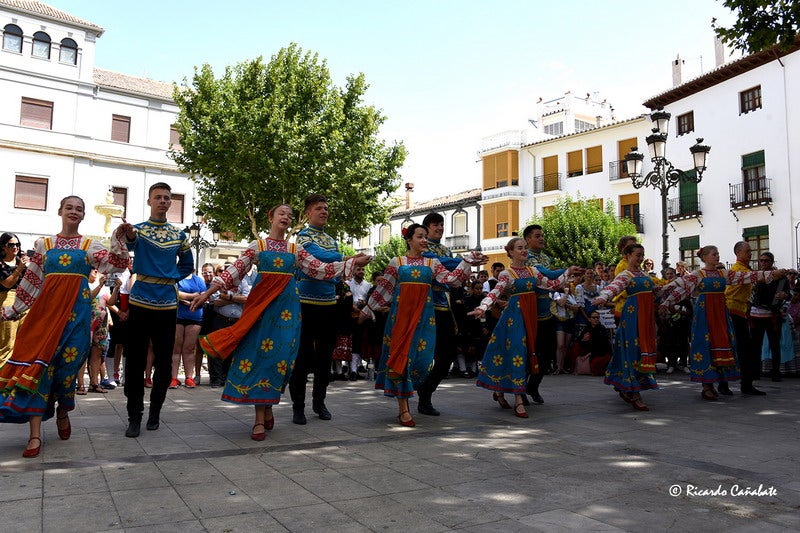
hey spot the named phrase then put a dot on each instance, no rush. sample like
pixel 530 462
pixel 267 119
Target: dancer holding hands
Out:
pixel 712 354
pixel 265 340
pixel 510 356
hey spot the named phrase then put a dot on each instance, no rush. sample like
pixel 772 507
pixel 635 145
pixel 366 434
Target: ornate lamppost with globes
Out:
pixel 196 241
pixel 664 175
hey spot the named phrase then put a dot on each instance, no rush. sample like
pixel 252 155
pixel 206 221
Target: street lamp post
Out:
pixel 664 175
pixel 196 241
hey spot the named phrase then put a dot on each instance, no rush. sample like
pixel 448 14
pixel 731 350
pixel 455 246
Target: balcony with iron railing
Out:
pixel 617 170
pixel 684 207
pixel 503 190
pixel 547 182
pixel 457 243
pixel 751 193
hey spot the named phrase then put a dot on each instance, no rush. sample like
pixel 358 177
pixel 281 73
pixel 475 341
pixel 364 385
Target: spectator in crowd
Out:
pixel 186 330
pixel 12 269
pixel 674 330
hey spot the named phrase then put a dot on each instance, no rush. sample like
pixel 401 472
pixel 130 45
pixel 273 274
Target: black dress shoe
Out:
pixel 299 417
pixel 322 411
pixel 134 426
pixel 724 389
pixel 427 409
pixel 537 398
pixel 525 401
pixel 152 423
pixel 752 391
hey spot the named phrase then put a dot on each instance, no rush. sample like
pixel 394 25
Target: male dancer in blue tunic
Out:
pixel 162 257
pixel 445 351
pixel 319 312
pixel 546 325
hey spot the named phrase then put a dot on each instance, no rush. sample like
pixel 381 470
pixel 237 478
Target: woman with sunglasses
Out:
pixel 54 341
pixel 12 268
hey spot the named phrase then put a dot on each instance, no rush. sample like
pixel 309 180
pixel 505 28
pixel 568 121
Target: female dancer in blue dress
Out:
pixel 511 353
pixel 264 341
pixel 633 363
pixel 53 342
pixel 712 352
pixel 410 335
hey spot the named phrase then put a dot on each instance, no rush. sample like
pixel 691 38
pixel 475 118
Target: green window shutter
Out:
pixel 756 159
pixel 757 231
pixel 689 243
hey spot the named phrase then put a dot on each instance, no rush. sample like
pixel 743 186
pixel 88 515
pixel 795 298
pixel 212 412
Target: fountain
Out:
pixel 108 210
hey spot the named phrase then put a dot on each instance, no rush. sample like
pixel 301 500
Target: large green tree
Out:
pixel 394 247
pixel 579 232
pixel 269 133
pixel 761 24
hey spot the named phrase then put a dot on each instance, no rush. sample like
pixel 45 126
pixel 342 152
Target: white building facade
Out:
pixel 461 213
pixel 747 111
pixel 67 127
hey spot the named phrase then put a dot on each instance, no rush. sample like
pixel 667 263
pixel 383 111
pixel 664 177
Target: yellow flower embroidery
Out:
pixel 432 321
pixel 72 316
pixel 64 260
pixel 497 360
pixel 421 345
pixel 70 354
pixel 387 340
pixel 517 361
pixel 415 273
pixel 492 339
pixel 277 262
pixel 698 357
pixel 510 322
pixel 717 285
pixel 286 315
pixel 267 344
pixel 245 366
pixel 528 285
pixel 68 381
pixel 631 309
pixel 282 366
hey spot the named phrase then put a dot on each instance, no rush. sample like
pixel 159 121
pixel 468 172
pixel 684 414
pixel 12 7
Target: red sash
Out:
pixel 221 343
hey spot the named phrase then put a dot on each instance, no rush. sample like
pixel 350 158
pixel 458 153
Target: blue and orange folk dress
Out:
pixel 510 355
pixel 633 363
pixel 265 340
pixel 54 340
pixel 409 339
pixel 712 345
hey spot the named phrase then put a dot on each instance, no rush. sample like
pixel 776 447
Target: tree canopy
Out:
pixel 761 24
pixel 394 247
pixel 269 133
pixel 579 232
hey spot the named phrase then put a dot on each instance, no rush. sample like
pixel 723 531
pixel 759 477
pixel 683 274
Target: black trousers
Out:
pixel 146 326
pixel 443 357
pixel 545 351
pixel 771 326
pixel 317 341
pixel 218 368
pixel 749 362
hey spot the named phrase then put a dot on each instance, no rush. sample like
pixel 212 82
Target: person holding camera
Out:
pixel 12 268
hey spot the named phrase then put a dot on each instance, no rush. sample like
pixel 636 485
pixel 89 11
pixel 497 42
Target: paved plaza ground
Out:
pixel 583 461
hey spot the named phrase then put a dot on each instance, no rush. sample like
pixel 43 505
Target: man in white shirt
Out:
pixel 359 287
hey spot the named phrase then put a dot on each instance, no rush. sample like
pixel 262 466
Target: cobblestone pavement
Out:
pixel 583 461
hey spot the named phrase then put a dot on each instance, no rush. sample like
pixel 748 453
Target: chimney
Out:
pixel 719 51
pixel 409 190
pixel 599 121
pixel 677 66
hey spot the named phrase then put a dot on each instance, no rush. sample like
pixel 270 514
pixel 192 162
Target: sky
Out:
pixel 445 73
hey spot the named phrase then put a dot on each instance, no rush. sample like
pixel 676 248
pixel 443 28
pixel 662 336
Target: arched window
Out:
pixel 68 54
pixel 41 45
pixel 12 38
pixel 460 223
pixel 386 233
